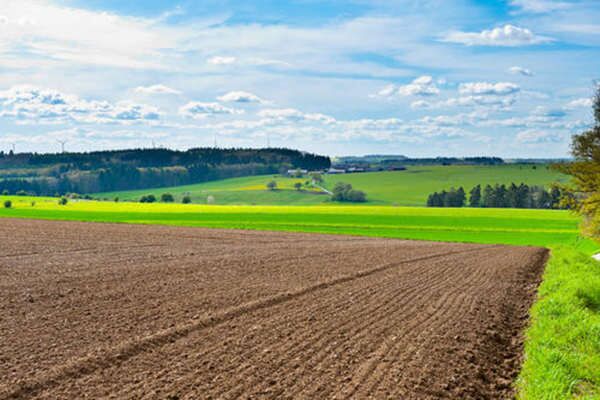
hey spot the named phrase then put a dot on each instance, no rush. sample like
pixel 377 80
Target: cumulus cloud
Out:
pixel 584 102
pixel 156 89
pixel 488 88
pixel 221 60
pixel 421 86
pixel 516 70
pixel 240 97
pixel 199 110
pixel 30 104
pixel 535 136
pixel 507 35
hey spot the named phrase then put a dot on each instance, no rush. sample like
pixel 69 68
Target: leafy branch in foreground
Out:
pixel 583 192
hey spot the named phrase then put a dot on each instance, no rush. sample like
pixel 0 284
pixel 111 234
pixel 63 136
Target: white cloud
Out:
pixel 516 70
pixel 487 88
pixel 580 103
pixel 221 60
pixel 536 136
pixel 291 114
pixel 508 35
pixel 539 6
pixel 30 104
pixel 156 89
pixel 421 86
pixel 240 97
pixel 199 110
pixel 420 104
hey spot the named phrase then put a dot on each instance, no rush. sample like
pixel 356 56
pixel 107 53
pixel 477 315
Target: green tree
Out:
pixel 475 196
pixel 316 177
pixel 583 192
pixel 488 198
pixel 186 199
pixel 272 185
pixel 7 204
pixel 298 185
pixel 167 198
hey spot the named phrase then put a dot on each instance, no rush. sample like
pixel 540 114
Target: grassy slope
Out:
pixel 411 187
pixel 562 349
pixel 406 188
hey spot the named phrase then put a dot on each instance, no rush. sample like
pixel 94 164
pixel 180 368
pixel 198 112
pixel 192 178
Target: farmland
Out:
pixel 404 188
pixel 476 225
pixel 569 296
pixel 164 312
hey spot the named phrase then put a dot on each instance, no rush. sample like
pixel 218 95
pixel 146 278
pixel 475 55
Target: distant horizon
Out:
pixel 289 148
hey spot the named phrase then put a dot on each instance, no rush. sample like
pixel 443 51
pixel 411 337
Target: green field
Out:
pixel 479 225
pixel 404 188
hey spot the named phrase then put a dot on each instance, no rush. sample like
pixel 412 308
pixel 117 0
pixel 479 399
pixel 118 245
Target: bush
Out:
pixel 167 198
pixel 345 192
pixel 149 198
pixel 7 204
pixel 186 200
pixel 298 185
pixel 63 201
pixel 272 185
pixel 116 199
pixel 5 192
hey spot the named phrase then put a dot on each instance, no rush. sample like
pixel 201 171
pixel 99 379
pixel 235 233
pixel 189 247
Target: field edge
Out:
pixel 562 342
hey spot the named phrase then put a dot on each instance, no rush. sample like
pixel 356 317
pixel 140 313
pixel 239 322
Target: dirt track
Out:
pixel 123 311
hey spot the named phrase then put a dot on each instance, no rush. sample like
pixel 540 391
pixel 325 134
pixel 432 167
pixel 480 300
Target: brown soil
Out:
pixel 124 311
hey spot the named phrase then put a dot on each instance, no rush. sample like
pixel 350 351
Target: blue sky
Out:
pixel 510 78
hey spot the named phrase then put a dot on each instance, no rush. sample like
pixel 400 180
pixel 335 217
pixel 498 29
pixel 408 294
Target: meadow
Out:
pixel 404 188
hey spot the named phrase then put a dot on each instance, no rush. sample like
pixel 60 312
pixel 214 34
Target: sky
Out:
pixel 508 78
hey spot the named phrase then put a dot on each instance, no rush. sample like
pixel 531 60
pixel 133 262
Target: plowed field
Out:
pixel 129 311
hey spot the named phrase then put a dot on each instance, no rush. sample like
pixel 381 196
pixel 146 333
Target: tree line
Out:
pixel 499 196
pixel 50 174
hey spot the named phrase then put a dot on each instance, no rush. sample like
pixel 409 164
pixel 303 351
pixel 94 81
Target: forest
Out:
pixel 61 173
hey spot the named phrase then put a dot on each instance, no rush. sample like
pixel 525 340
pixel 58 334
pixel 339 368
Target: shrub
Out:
pixel 272 185
pixel 345 192
pixel 5 192
pixel 7 204
pixel 116 199
pixel 167 198
pixel 63 201
pixel 298 185
pixel 186 200
pixel 149 198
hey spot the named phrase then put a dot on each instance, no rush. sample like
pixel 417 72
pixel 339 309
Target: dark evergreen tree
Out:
pixel 475 196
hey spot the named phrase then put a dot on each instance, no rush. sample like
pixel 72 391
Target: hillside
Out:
pixel 405 188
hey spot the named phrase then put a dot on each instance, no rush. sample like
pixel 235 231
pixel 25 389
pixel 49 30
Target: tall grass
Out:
pixel 562 348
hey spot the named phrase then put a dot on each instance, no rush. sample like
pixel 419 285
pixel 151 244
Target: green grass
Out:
pixel 405 188
pixel 509 226
pixel 563 342
pixel 562 349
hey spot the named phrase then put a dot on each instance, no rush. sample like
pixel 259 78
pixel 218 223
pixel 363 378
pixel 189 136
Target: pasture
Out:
pixel 403 188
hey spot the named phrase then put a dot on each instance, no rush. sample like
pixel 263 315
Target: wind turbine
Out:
pixel 62 145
